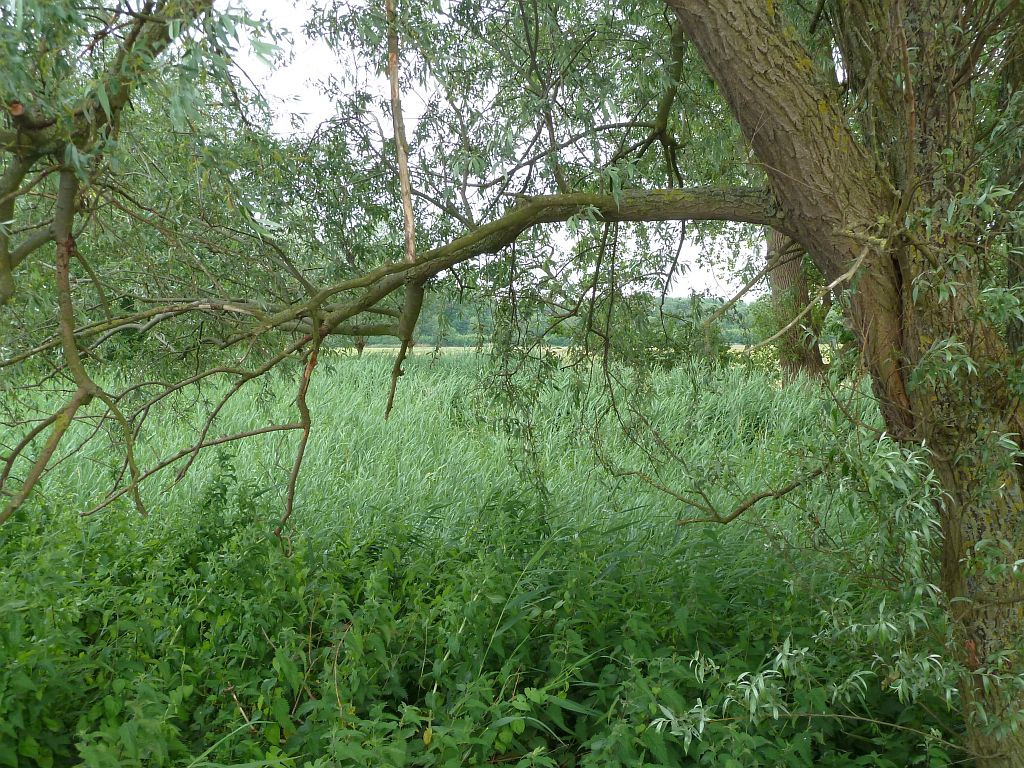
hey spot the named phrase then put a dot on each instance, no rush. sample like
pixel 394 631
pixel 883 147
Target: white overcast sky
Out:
pixel 292 90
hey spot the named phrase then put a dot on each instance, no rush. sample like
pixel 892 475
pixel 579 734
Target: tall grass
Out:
pixel 465 584
pixel 452 443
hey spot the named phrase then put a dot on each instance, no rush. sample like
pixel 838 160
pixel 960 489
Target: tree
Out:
pixel 885 141
pixel 875 195
pixel 798 341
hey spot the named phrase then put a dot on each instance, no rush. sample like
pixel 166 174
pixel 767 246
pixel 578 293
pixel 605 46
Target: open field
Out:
pixel 465 585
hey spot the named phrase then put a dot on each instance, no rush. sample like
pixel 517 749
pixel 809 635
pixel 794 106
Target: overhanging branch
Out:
pixel 744 205
pixel 736 204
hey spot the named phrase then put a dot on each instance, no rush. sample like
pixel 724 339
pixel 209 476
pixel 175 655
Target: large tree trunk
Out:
pixel 939 370
pixel 798 349
pixel 826 183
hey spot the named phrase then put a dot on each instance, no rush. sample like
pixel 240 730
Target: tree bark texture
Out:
pixel 827 184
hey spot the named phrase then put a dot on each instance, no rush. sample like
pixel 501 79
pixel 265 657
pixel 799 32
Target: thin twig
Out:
pixel 750 501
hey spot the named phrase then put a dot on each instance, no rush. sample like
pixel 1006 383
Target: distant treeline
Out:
pixel 447 321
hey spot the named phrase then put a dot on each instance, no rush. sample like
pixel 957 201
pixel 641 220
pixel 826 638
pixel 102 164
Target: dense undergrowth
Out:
pixel 447 598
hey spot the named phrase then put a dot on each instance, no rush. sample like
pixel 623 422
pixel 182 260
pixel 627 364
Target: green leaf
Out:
pixel 101 94
pixel 572 706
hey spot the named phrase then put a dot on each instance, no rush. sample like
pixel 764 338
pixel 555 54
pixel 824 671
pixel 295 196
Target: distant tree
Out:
pixel 797 343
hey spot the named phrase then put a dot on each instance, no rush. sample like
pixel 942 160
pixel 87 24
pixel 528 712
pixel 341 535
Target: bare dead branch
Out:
pixel 60 425
pixel 750 501
pixel 164 464
pixel 306 424
pixel 414 291
pixel 401 145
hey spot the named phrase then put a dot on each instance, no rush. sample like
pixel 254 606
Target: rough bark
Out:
pixel 798 349
pixel 11 179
